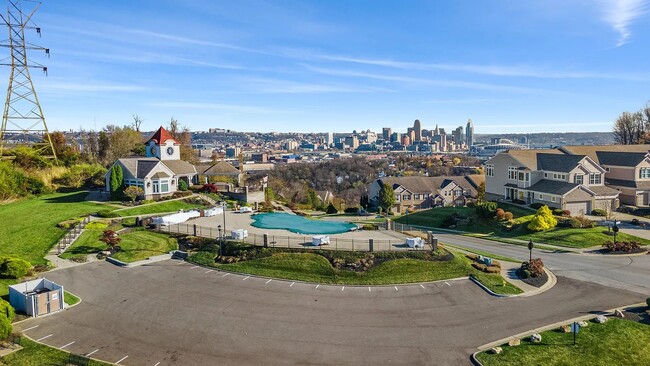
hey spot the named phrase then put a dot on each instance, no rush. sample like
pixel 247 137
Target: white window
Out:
pixel 459 192
pixel 553 199
pixel 545 175
pixel 644 173
pixel 512 173
pixel 489 170
pixel 164 186
pixel 541 196
pixel 594 178
pixel 156 187
pixel 554 175
pixel 521 176
pixel 417 196
pixel 578 179
pixel 406 197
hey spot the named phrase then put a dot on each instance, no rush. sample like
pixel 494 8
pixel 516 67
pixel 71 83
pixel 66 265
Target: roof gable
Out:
pixel 616 158
pixel 161 136
pixel 558 163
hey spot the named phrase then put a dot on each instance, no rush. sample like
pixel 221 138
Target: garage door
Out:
pixel 578 208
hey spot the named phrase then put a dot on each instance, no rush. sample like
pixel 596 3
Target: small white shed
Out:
pixel 37 297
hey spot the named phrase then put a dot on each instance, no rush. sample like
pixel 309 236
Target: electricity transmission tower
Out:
pixel 23 123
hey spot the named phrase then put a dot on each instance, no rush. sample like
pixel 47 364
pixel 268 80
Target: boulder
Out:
pixel 566 329
pixel 619 313
pixel 583 324
pixel 536 338
pixel 514 342
pixel 496 350
pixel 600 319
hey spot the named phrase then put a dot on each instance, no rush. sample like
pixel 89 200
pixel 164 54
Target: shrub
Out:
pixel 543 220
pixel 557 211
pixel 647 301
pixel 509 216
pixel 585 222
pixel 331 209
pixel 108 213
pixel 486 209
pixel 370 227
pixel 97 225
pixel 599 212
pixel 536 267
pixel 571 222
pixel 536 205
pixel 566 213
pixel 351 210
pixel 209 188
pixel 80 175
pixel 179 194
pixel 5 327
pixel 7 310
pixel 68 223
pixel 182 185
pixel 13 267
pixel 622 246
pixel 500 214
pixel 525 273
pixel 133 192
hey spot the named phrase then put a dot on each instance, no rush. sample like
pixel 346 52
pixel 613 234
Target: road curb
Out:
pixel 522 335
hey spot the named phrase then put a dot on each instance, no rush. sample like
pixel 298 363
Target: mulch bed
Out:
pixel 618 252
pixel 538 281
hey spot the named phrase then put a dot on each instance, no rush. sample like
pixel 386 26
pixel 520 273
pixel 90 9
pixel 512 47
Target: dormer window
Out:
pixel 594 178
pixel 578 179
pixel 644 173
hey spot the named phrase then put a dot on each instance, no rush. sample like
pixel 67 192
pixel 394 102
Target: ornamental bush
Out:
pixel 13 267
pixel 599 212
pixel 182 185
pixel 7 310
pixel 500 214
pixel 5 327
pixel 543 220
pixel 508 216
pixel 486 210
pixel 331 209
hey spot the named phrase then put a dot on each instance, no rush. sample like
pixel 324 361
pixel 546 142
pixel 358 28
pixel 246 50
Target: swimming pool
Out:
pixel 298 224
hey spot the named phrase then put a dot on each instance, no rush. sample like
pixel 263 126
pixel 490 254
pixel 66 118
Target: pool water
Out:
pixel 298 224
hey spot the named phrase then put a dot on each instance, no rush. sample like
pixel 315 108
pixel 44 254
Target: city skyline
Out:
pixel 310 67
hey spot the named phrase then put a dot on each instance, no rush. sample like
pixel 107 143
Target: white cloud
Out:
pixel 620 14
pixel 91 86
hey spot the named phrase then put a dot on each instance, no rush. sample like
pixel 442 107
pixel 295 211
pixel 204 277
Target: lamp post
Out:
pixel 615 230
pixel 530 248
pixel 223 205
pixel 220 241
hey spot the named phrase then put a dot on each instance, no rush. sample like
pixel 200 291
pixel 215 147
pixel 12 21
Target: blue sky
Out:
pixel 510 66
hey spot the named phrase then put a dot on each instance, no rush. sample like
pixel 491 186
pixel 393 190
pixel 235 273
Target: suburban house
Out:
pixel 627 169
pixel 417 192
pixel 160 172
pixel 556 178
pixel 221 171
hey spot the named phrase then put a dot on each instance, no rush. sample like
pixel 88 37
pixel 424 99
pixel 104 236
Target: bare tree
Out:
pixel 137 121
pixel 629 128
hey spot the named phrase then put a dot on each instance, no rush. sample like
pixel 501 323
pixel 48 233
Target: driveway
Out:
pixel 174 313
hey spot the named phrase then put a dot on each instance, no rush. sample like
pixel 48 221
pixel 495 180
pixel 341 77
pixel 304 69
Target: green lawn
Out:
pixel 87 243
pixel 36 354
pixel 316 268
pixel 141 244
pixel 617 342
pixel 486 254
pixel 154 208
pixel 70 299
pixel 569 237
pixel 29 229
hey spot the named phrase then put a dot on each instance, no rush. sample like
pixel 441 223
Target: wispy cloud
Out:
pixel 213 106
pixel 620 14
pixel 493 70
pixel 279 86
pixel 413 81
pixel 91 86
pixel 464 101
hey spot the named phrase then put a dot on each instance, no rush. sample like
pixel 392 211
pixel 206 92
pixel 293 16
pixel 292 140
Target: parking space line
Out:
pixel 245 278
pixel 157 363
pixel 91 353
pixel 69 344
pixel 421 286
pixel 317 286
pixel 292 283
pixel 342 288
pixel 178 264
pixel 447 283
pixel 225 274
pixel 30 328
pixel 396 288
pixel 267 282
pixel 47 336
pixel 369 290
pixel 121 359
pixel 210 270
pixel 194 267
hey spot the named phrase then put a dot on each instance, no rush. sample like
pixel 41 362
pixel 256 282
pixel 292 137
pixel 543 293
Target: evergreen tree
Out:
pixel 386 197
pixel 117 179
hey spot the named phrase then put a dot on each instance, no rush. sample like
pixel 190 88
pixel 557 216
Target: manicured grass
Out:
pixel 87 243
pixel 29 229
pixel 36 354
pixel 4 287
pixel 153 208
pixel 486 254
pixel 141 244
pixel 70 299
pixel 617 342
pixel 316 268
pixel 568 237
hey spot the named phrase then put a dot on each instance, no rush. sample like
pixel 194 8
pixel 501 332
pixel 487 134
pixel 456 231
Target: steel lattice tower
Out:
pixel 23 122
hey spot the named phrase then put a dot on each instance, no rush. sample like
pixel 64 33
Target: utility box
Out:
pixel 37 297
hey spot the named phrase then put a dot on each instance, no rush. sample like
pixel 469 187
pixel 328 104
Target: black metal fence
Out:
pixel 72 234
pixel 307 241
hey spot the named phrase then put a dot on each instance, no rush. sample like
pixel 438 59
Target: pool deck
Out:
pixel 384 239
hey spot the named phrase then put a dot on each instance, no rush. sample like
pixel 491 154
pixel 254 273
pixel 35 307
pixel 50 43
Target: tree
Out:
pixel 133 192
pixel 111 239
pixel 182 185
pixel 137 122
pixel 183 135
pixel 543 220
pixel 633 128
pixel 480 192
pixel 117 179
pixel 386 197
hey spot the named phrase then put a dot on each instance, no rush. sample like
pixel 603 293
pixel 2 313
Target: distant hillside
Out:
pixel 553 139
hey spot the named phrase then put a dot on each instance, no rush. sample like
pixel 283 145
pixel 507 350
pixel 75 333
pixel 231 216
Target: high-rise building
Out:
pixel 459 136
pixel 395 137
pixel 406 140
pixel 329 139
pixel 441 141
pixel 469 133
pixel 386 132
pixel 417 128
pixel 371 137
pixel 352 141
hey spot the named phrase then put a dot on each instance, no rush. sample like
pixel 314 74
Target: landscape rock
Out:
pixel 600 319
pixel 566 329
pixel 105 253
pixel 583 324
pixel 619 313
pixel 496 350
pixel 536 338
pixel 514 342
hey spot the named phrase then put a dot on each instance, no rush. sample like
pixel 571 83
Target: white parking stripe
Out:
pixel 267 282
pixel 225 274
pixel 342 288
pixel 396 288
pixel 210 270
pixel 369 289
pixel 194 267
pixel 447 283
pixel 157 363
pixel 47 336
pixel 91 353
pixel 121 359
pixel 317 286
pixel 30 328
pixel 69 344
pixel 245 278
pixel 178 264
pixel 291 284
pixel 421 286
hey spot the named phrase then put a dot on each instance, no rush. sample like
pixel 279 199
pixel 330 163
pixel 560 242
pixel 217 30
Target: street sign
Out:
pixel 575 328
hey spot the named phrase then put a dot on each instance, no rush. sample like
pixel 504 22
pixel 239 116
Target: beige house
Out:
pixel 159 173
pixel 416 192
pixel 550 176
pixel 627 169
